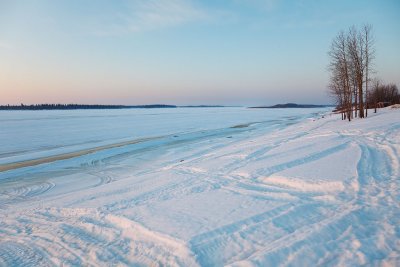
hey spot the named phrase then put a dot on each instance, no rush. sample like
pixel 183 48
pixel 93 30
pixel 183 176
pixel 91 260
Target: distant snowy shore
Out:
pixel 293 191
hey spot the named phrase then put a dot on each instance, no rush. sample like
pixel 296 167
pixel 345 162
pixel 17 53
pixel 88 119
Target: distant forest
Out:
pixel 77 106
pixel 293 105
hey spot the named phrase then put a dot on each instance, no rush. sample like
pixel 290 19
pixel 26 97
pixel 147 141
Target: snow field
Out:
pixel 315 192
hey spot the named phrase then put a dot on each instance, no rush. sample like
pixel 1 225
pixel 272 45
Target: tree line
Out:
pixel 77 106
pixel 383 94
pixel 352 55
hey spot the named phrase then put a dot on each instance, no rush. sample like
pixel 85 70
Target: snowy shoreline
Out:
pixel 316 192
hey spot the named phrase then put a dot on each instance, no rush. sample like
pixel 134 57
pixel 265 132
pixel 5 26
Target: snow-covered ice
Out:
pixel 203 187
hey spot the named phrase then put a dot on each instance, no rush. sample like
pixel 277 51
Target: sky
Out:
pixel 184 52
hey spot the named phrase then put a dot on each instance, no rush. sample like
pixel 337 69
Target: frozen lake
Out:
pixel 33 134
pixel 199 187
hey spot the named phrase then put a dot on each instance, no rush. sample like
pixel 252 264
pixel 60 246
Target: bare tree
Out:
pixel 351 58
pixel 356 53
pixel 369 50
pixel 384 94
pixel 336 92
pixel 340 76
pixel 374 95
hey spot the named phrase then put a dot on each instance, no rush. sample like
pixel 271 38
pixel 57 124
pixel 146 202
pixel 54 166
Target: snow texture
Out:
pixel 204 187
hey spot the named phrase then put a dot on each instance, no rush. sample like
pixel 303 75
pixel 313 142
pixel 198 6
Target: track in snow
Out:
pixel 322 192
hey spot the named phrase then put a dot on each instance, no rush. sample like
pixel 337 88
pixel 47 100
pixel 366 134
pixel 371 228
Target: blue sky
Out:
pixel 182 51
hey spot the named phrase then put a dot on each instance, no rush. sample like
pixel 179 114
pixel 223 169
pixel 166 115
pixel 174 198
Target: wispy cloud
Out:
pixel 142 15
